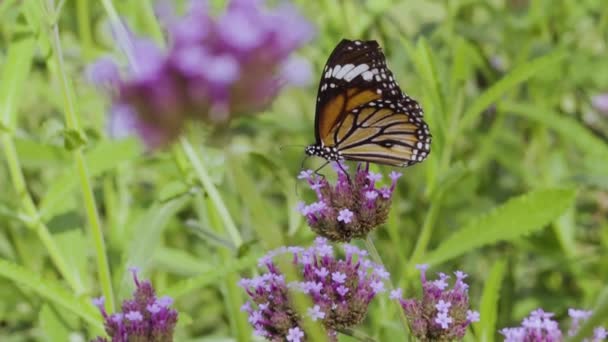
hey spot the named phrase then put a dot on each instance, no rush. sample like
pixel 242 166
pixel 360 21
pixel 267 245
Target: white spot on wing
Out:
pixel 368 75
pixel 336 70
pixel 356 72
pixel 345 69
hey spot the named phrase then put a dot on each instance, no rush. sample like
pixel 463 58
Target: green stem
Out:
pixel 103 268
pixel 211 190
pixel 84 27
pixel 371 248
pixel 34 222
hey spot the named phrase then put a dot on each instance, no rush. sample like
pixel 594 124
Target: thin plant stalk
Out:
pixel 103 268
pixel 371 248
pixel 214 195
pixel 33 216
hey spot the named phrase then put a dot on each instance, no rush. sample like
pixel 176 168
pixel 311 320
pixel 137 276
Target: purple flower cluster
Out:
pixel 348 209
pixel 442 314
pixel 341 290
pixel 540 326
pixel 214 69
pixel 143 318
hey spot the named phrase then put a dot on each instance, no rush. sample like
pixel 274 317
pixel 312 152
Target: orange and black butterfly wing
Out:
pixel 384 131
pixel 362 111
pixel 355 73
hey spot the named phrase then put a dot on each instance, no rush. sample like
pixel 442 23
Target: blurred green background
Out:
pixel 515 191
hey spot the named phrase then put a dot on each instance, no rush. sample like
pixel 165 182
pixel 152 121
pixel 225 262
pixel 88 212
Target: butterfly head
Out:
pixel 325 152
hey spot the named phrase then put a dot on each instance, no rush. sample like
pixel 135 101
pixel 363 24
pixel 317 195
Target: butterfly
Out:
pixel 362 114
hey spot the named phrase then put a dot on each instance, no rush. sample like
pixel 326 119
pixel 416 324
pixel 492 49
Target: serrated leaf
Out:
pixel 486 328
pixel 519 216
pixel 52 292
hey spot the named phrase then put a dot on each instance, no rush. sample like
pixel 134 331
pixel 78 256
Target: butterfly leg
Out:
pixel 316 172
pixel 345 173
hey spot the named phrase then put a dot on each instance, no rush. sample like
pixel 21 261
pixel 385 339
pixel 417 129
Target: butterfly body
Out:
pixel 362 114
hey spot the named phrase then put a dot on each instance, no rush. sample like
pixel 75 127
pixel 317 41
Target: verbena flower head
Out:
pixel 351 208
pixel 143 318
pixel 341 289
pixel 215 68
pixel 540 326
pixel 443 313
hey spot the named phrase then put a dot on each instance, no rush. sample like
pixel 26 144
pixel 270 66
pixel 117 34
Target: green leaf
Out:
pixel 36 154
pixel 146 236
pixel 571 130
pixel 181 262
pixel 105 156
pixel 508 82
pixel 213 276
pixel 14 72
pixel 52 292
pixel 52 326
pixel 519 216
pixel 486 328
pixel 75 250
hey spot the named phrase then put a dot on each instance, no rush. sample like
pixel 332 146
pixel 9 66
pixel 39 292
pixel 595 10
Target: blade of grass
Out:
pixel 511 80
pixel 486 328
pixel 571 130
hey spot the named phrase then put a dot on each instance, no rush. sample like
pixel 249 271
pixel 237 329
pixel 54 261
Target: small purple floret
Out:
pixel 340 289
pixel 143 318
pixel 443 313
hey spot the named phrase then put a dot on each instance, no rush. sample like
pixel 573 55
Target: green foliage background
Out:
pixel 515 191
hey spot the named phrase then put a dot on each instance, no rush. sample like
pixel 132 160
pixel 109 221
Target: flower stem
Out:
pixel 103 268
pixel 84 27
pixel 211 190
pixel 357 335
pixel 369 243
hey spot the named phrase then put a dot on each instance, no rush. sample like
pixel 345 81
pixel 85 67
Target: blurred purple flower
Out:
pixel 600 103
pixel 214 69
pixel 143 318
pixel 442 314
pixel 348 209
pixel 340 288
pixel 540 326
